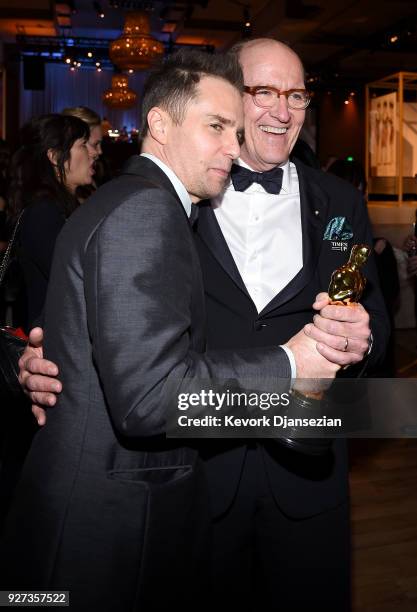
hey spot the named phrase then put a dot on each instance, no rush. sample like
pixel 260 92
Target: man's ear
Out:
pixel 158 124
pixel 52 156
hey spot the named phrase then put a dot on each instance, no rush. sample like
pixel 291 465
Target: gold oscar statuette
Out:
pixel 347 284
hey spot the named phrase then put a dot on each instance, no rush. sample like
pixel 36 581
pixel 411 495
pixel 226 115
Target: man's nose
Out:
pixel 280 109
pixel 232 147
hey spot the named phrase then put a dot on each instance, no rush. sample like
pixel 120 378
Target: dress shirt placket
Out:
pixel 254 259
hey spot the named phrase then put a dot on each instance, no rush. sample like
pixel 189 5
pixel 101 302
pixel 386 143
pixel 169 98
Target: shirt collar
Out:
pixel 176 183
pixel 286 178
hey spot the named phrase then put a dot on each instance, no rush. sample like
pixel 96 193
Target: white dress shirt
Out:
pixel 263 232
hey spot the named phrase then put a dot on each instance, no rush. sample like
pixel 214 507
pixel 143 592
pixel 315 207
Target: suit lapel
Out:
pixel 209 231
pixel 148 171
pixel 314 205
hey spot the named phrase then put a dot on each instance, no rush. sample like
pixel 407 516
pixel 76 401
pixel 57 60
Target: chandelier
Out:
pixel 136 49
pixel 119 95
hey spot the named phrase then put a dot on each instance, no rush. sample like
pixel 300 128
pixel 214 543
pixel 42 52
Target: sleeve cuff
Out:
pixel 293 365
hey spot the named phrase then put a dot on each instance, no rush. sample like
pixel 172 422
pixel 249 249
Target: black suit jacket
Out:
pixel 106 507
pixel 302 486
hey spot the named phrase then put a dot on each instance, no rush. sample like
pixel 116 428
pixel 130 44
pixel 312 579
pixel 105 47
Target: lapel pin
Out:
pixel 316 212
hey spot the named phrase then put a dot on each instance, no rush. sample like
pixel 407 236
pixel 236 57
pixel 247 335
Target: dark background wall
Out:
pixel 340 126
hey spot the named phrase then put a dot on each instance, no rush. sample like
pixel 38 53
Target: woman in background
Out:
pixel 94 123
pixel 102 172
pixel 51 164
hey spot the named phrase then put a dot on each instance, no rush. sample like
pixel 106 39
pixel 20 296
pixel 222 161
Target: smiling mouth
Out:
pixel 269 129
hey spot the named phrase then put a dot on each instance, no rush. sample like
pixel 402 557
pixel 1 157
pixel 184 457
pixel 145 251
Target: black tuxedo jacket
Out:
pixel 106 507
pixel 302 486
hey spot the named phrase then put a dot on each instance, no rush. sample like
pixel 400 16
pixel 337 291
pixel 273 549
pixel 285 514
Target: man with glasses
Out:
pixel 283 518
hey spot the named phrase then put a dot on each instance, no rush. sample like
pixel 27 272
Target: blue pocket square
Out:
pixel 338 228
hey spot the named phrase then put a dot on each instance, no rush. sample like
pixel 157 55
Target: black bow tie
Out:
pixel 242 178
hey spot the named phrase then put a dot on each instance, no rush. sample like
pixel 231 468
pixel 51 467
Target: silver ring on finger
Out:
pixel 345 348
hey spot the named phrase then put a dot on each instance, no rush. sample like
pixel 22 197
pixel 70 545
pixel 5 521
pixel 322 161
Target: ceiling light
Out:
pixel 98 9
pixel 247 22
pixel 136 49
pixel 119 96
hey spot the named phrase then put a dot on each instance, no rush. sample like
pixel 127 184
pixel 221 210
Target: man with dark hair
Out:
pixel 107 508
pixel 173 87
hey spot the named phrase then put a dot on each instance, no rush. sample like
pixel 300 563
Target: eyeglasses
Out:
pixel 265 96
